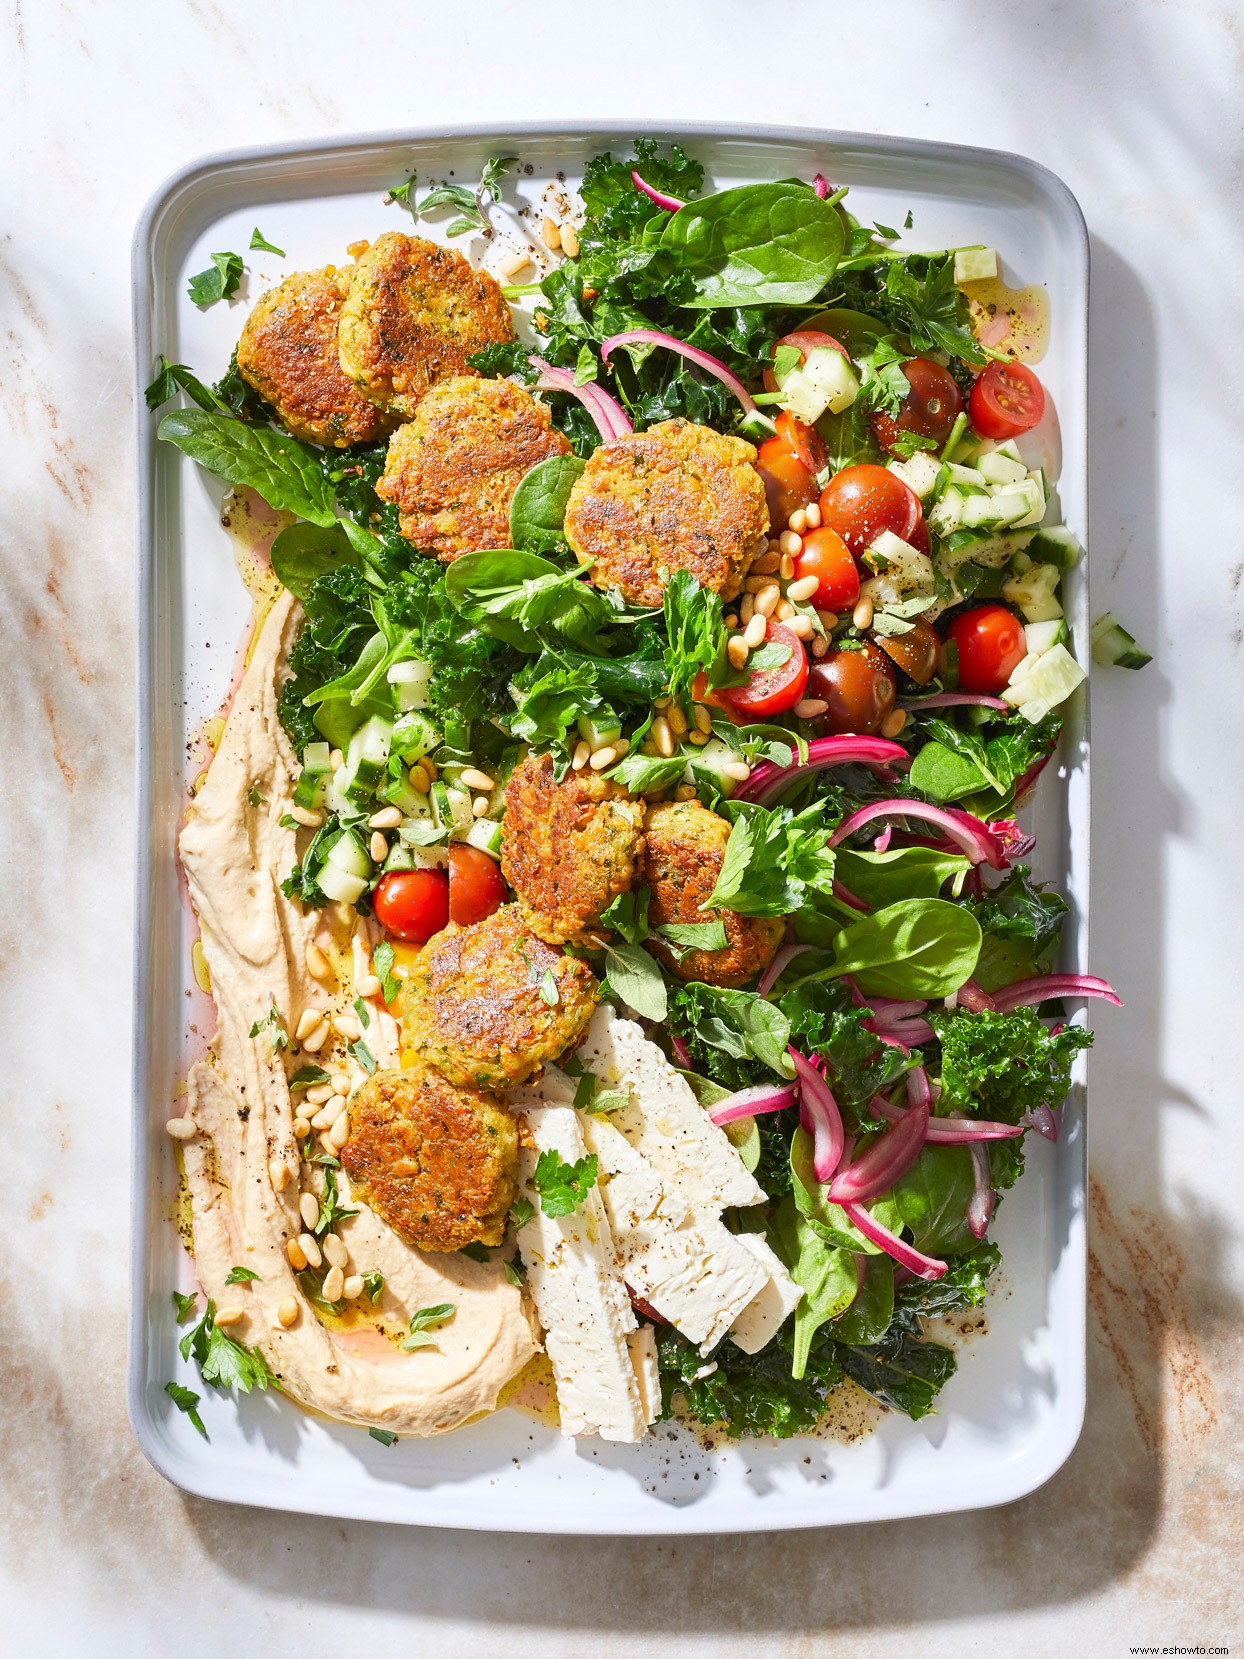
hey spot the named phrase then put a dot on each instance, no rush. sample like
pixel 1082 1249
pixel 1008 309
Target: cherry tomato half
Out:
pixel 990 643
pixel 789 481
pixel 803 341
pixel 827 557
pixel 412 904
pixel 858 685
pixel 860 502
pixel 915 652
pixel 929 409
pixel 1007 399
pixel 770 691
pixel 476 885
pixel 804 440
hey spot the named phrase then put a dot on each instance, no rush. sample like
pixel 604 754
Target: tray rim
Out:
pixel 184 180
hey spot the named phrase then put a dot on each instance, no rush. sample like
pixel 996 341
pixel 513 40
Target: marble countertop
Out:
pixel 1138 108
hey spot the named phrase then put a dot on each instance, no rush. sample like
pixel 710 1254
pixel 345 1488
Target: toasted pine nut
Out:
pixel 766 564
pixel 431 768
pixel 662 736
pixel 829 619
pixel 784 610
pixel 311 1250
pixel 309 816
pixel 315 1042
pixel 367 986
pixel 739 770
pixel 756 630
pixel 550 235
pixel 661 703
pixel 352 1289
pixel 232 1315
pixel 746 606
pixel 334 1279
pixel 754 584
pixel 623 746
pixel 336 759
pixel 309 1209
pixel 294 1255
pixel 685 792
pixel 301 1129
pixel 378 846
pixel 389 817
pixel 347 1026
pixel 820 647
pixel 570 241
pixel 737 650
pixel 473 778
pixel 798 521
pixel 790 543
pixel 803 589
pixel 307 1022
pixel 812 512
pixel 340 1081
pixel 278 1174
pixel 318 965
pixel 329 1112
pixel 810 707
pixel 800 626
pixel 317 1094
pixel 786 569
pixel 703 718
pixel 182 1129
pixel 699 739
pixel 678 721
pixel 420 782
pixel 337 1134
pixel 768 600
pixel 287 1313
pixel 334 1251
pixel 603 757
pixel 730 621
pixel 582 754
pixel 515 262
pixel 862 615
pixel 479 807
pixel 894 722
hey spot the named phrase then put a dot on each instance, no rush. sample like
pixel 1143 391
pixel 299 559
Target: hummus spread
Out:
pixel 245 1169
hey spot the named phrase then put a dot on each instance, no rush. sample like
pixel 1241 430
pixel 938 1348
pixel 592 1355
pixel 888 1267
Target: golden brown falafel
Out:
pixel 676 497
pixel 414 314
pixel 685 844
pixel 488 1004
pixel 452 471
pixel 288 353
pixel 570 848
pixel 437 1161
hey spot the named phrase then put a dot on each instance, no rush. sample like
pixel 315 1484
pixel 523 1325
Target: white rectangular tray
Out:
pixel 1011 1416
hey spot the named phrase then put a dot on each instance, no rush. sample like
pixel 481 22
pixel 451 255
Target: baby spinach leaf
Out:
pixel 920 948
pixel 827 1218
pixel 826 1275
pixel 886 878
pixel 538 509
pixel 945 774
pixel 513 594
pixel 301 552
pixel 758 244
pixel 932 1199
pixel 170 378
pixel 286 473
pixel 262 245
pixel 868 1318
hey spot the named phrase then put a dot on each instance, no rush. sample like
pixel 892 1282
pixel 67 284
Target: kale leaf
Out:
pixel 748 1393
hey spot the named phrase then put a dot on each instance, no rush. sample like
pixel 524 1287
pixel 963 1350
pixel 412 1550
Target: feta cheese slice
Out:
pixel 684 1262
pixel 665 1123
pixel 581 1301
pixel 764 1315
pixel 642 1343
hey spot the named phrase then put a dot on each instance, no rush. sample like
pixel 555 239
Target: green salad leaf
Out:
pixel 563 1188
pixel 758 244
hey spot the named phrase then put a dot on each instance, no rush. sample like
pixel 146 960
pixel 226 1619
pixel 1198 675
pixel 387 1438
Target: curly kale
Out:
pixel 824 1022
pixel 747 1393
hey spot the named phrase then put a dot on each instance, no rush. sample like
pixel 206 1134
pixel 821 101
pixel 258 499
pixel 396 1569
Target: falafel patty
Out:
pixel 570 848
pixel 488 1004
pixel 453 470
pixel 437 1161
pixel 685 844
pixel 414 314
pixel 288 353
pixel 676 497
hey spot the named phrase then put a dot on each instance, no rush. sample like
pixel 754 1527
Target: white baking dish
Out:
pixel 1011 1416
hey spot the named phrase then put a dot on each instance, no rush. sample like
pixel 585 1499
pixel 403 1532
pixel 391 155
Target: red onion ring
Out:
pixel 922 1266
pixel 767 779
pixel 754 1102
pixel 711 365
pixel 974 838
pixel 1026 992
pixel 774 971
pixel 670 203
pixel 820 1116
pixel 610 417
pixel 886 1162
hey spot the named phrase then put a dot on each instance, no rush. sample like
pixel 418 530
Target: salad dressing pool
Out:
pixel 1013 320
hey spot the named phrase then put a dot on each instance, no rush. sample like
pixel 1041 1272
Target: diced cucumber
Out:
pixel 348 853
pixel 997 468
pixel 919 472
pixel 1008 446
pixel 1114 647
pixel 310 789
pixel 368 753
pixel 1041 684
pixel 486 834
pixel 316 758
pixel 976 264
pixel 410 682
pixel 903 572
pixel 757 426
pixel 991 551
pixel 339 885
pixel 399 792
pixel 451 810
pixel 946 513
pixel 597 736
pixel 1054 544
pixel 337 794
pixel 414 736
pixel 1036 593
pixel 968 479
pixel 1033 487
pixel 1040 637
pixel 400 857
pixel 824 380
pixel 994 511
pixel 705 766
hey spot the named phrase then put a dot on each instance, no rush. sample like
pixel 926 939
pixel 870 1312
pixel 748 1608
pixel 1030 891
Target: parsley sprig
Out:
pixel 563 1187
